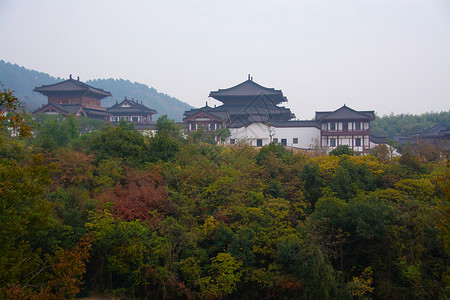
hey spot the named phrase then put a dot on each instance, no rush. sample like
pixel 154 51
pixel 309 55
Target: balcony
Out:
pixel 345 132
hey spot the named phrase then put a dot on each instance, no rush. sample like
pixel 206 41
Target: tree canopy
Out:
pixel 113 213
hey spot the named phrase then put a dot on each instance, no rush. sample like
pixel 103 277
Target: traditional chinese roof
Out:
pixel 74 109
pixel 437 130
pixel 378 139
pixel 248 92
pixel 438 134
pixel 71 85
pixel 296 124
pixel 128 106
pixel 345 113
pixel 214 113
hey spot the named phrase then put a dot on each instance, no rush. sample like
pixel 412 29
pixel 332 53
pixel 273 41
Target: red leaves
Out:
pixel 141 196
pixel 73 169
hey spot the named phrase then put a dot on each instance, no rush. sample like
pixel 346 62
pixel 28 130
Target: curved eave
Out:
pixel 247 99
pixel 246 91
pixel 70 85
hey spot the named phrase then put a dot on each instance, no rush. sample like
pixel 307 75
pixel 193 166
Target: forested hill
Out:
pixel 22 81
pixel 164 104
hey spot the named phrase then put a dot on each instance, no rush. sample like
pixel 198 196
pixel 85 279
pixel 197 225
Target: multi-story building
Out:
pixel 252 114
pixel 73 97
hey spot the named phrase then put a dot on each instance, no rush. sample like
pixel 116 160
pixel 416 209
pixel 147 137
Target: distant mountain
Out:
pixel 22 81
pixel 120 88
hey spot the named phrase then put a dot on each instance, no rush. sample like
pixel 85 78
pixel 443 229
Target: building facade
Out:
pixel 73 97
pixel 253 114
pixel 81 100
pixel 131 111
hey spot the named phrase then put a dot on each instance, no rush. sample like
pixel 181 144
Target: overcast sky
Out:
pixel 382 55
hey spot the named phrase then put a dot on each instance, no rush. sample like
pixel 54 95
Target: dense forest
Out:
pixel 22 81
pixel 92 210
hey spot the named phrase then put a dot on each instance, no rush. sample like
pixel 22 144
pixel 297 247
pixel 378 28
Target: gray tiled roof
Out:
pixel 71 85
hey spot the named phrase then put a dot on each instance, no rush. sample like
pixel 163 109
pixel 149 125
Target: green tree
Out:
pixel 12 114
pixel 224 276
pixel 223 134
pixel 341 150
pixel 122 143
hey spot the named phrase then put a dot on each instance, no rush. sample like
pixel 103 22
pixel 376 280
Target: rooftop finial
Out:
pixel 248 76
pixel 78 78
pixel 206 103
pixel 71 76
pixel 251 78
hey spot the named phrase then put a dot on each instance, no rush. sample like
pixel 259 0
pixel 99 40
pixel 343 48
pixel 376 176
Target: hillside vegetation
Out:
pixel 22 81
pixel 114 213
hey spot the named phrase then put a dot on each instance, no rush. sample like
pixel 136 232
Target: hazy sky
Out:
pixel 382 55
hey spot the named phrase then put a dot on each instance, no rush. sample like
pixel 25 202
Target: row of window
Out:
pixel 357 126
pixel 204 126
pixel 117 119
pixel 357 142
pixel 259 142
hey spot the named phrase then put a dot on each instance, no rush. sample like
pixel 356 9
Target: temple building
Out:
pixel 438 135
pixel 253 114
pixel 131 111
pixel 346 126
pixel 73 97
pixel 81 100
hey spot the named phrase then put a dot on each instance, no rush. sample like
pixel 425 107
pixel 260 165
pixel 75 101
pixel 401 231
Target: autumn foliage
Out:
pixel 118 214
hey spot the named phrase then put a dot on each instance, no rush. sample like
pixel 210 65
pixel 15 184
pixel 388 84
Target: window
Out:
pixel 333 126
pixel 213 126
pixel 333 142
pixel 275 140
pixel 358 142
pixel 232 141
pixel 295 140
pixel 284 142
pixel 259 143
pixel 357 125
pixel 193 127
pixel 345 126
pixel 135 119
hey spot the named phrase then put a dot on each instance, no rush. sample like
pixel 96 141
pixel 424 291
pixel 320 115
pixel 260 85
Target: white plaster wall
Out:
pixel 305 135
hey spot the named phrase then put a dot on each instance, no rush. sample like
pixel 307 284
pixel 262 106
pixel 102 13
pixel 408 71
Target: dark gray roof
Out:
pixel 436 130
pixel 133 107
pixel 378 139
pixel 257 112
pixel 296 124
pixel 438 134
pixel 91 112
pixel 61 108
pixel 345 113
pixel 71 85
pixel 246 92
